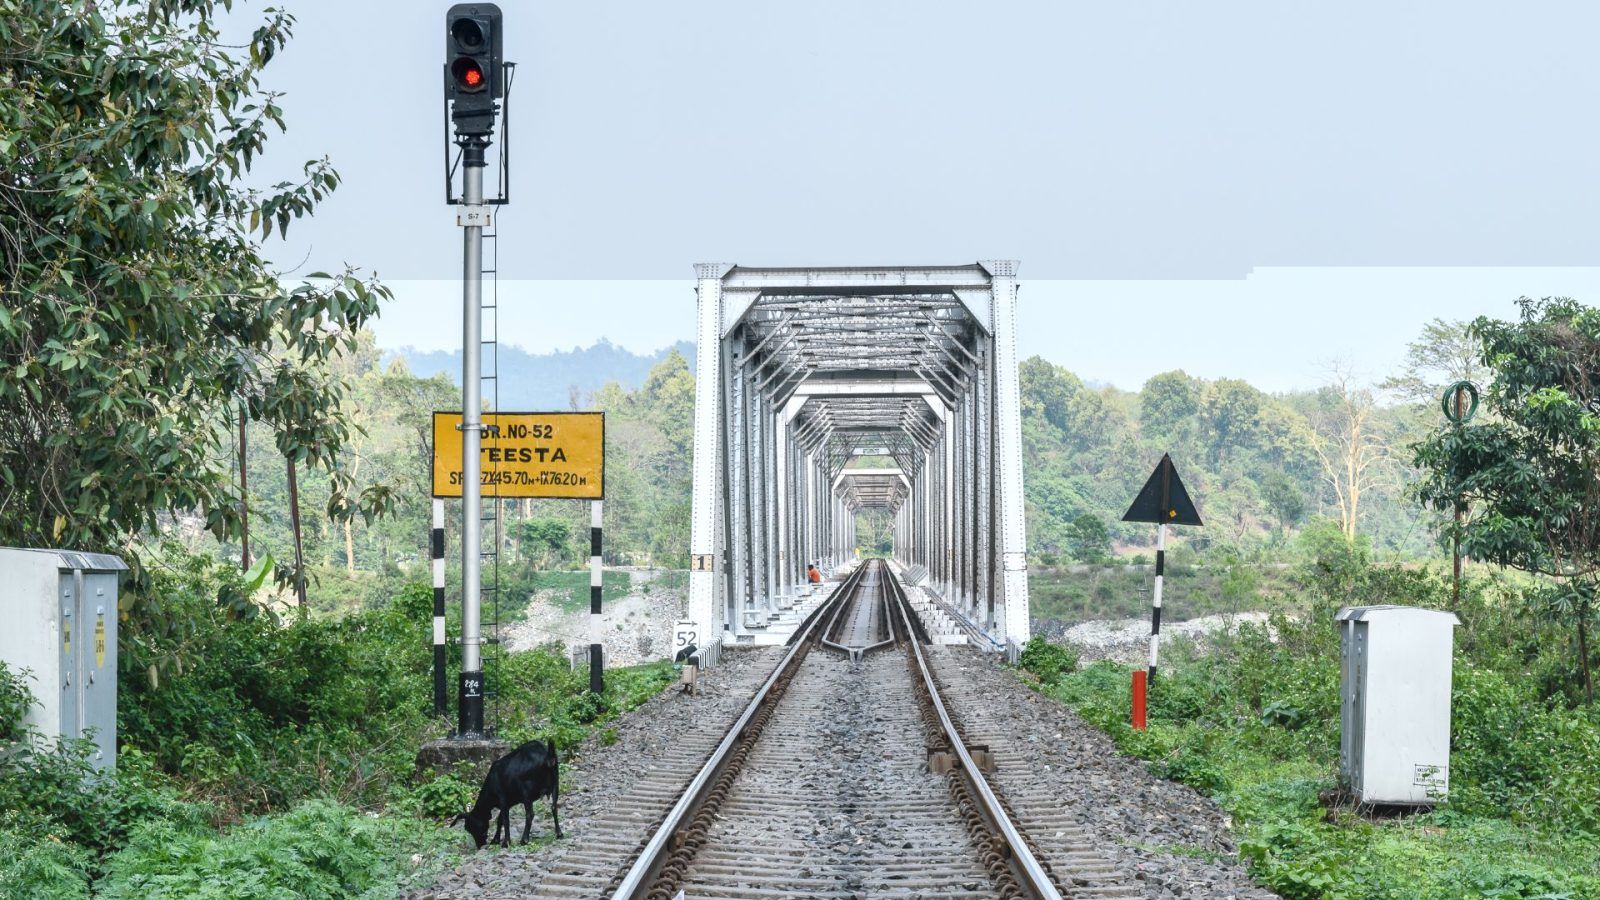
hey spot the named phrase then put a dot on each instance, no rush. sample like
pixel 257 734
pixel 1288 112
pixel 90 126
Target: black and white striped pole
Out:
pixel 596 583
pixel 1162 501
pixel 1155 603
pixel 441 691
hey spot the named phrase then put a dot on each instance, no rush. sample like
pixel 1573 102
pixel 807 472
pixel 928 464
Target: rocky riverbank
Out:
pixel 637 627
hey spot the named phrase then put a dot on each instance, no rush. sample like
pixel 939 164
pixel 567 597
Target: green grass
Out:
pixel 319 849
pixel 1267 769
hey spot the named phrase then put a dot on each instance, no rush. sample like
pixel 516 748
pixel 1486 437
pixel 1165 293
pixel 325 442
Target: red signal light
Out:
pixel 468 74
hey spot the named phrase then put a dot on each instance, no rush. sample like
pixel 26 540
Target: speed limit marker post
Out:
pixel 685 651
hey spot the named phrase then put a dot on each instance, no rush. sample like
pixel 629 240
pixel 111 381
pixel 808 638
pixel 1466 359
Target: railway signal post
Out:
pixel 474 80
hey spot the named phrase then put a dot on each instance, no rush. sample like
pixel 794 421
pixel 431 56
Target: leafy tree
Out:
pixel 1531 471
pixel 874 532
pixel 1446 352
pixel 668 400
pixel 1230 413
pixel 1283 497
pixel 547 537
pixel 1166 404
pixel 1090 541
pixel 138 310
pixel 1046 390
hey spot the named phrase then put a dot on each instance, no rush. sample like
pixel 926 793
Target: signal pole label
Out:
pixel 544 455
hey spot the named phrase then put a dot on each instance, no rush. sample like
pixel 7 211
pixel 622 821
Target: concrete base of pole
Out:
pixel 440 756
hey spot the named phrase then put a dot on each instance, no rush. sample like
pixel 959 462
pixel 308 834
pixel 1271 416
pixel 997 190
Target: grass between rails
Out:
pixel 262 759
pixel 1254 724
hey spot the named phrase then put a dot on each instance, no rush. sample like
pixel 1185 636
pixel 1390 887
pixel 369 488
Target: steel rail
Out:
pixel 1031 876
pixel 832 627
pixel 1010 847
pixel 857 653
pixel 640 877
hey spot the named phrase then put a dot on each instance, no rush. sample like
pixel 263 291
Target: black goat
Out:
pixel 521 776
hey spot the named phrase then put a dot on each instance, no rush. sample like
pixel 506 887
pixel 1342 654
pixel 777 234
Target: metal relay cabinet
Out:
pixel 60 611
pixel 1394 688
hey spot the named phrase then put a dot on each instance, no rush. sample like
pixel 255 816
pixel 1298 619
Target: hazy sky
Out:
pixel 1279 328
pixel 1231 188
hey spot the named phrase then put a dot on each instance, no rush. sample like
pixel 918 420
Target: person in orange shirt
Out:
pixel 813 575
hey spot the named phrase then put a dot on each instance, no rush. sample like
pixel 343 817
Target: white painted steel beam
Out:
pixel 706 557
pixel 1008 466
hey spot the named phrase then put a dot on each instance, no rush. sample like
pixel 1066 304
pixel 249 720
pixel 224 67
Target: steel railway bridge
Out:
pixel 825 393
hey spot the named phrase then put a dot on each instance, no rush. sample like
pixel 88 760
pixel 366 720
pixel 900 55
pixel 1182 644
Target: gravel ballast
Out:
pixel 612 795
pixel 1161 835
pixel 1161 838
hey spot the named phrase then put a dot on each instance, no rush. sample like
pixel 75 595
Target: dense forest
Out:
pixel 351 560
pixel 1261 466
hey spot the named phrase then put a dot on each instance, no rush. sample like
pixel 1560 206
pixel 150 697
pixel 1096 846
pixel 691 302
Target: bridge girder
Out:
pixel 803 371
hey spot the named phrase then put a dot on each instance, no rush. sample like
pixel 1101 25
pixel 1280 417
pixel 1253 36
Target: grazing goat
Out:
pixel 521 776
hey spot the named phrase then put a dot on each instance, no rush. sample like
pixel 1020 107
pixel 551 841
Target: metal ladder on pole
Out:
pixel 490 515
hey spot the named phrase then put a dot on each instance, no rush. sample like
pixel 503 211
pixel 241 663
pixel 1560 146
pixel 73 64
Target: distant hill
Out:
pixel 545 381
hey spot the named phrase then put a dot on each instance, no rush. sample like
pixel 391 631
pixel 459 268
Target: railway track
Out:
pixel 846 777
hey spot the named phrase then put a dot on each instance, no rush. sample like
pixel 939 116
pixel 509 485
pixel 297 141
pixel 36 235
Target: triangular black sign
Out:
pixel 1163 499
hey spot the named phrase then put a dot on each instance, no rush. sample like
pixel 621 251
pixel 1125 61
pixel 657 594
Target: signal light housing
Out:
pixel 474 78
pixel 468 77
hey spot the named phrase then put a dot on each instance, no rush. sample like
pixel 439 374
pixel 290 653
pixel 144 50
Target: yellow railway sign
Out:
pixel 558 455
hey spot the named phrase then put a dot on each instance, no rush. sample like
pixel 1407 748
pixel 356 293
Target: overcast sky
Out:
pixel 1233 188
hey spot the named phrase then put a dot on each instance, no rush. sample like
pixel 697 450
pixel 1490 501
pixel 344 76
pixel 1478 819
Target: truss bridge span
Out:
pixel 833 401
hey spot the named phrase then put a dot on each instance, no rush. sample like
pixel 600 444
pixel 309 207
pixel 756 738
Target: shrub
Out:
pixel 319 849
pixel 15 700
pixel 436 798
pixel 36 864
pixel 1047 661
pixel 256 715
pixel 52 788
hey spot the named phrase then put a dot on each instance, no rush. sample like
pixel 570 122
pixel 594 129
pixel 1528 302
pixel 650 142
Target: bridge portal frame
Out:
pixel 776 423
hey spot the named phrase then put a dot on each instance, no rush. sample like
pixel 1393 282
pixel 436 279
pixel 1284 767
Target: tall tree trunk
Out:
pixel 244 494
pixel 1353 473
pixel 1583 656
pixel 299 552
pixel 323 539
pixel 349 528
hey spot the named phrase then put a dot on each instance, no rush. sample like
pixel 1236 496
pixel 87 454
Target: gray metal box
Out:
pixel 60 611
pixel 1394 688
